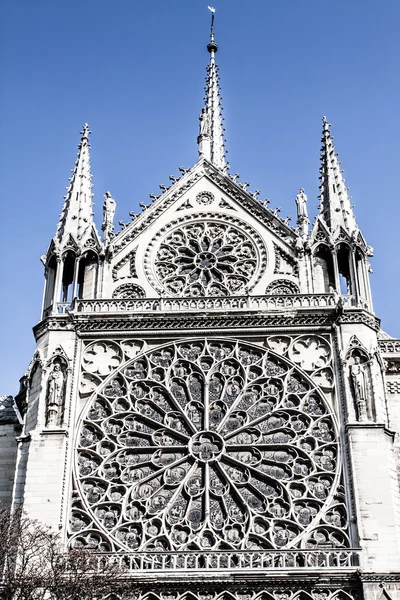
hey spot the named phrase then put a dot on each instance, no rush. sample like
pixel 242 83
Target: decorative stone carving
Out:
pixel 205 197
pixel 55 396
pixel 108 216
pixel 129 290
pixel 358 375
pixel 256 592
pixel 101 358
pixel 209 444
pixel 301 203
pixel 284 263
pixel 206 259
pixel 282 287
pixel 126 267
pixel 310 352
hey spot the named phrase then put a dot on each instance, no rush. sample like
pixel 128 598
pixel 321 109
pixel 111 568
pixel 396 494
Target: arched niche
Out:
pixel 50 274
pixel 362 275
pixel 55 391
pixel 324 274
pixel 360 383
pixel 87 275
pixel 67 287
pixel 345 271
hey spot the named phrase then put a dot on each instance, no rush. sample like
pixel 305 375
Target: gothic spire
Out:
pixel 335 206
pixel 211 137
pixel 76 217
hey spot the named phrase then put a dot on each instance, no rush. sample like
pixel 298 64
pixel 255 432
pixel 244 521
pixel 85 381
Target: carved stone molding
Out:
pixel 128 291
pixel 281 287
pixel 129 258
pixel 135 229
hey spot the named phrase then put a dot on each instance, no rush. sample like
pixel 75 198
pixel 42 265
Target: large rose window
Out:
pixel 208 445
pixel 206 259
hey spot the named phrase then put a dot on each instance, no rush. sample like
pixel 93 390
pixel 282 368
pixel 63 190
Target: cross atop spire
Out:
pixel 76 218
pixel 211 137
pixel 335 205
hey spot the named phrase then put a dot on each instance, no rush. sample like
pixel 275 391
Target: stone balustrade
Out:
pixel 389 346
pixel 217 304
pixel 235 560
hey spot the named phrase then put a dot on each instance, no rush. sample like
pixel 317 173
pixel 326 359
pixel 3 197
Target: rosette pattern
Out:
pixel 206 259
pixel 208 444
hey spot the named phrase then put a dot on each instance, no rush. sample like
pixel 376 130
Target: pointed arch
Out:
pixel 86 285
pixel 188 596
pixel 225 595
pixel 323 266
pixel 356 347
pixel 345 269
pixel 302 595
pixel 151 596
pixel 341 595
pixel 68 274
pixel 264 596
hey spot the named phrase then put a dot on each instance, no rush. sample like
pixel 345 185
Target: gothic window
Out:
pixel 208 258
pixel 51 271
pixel 345 279
pixel 87 275
pixel 323 270
pixel 210 444
pixel 68 277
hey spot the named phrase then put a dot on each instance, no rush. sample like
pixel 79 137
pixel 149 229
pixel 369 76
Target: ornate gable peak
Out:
pixel 320 231
pixel 355 344
pixel 156 207
pixel 341 235
pixel 51 251
pixel 249 200
pixel 361 242
pixel 92 242
pixel 227 184
pixel 69 243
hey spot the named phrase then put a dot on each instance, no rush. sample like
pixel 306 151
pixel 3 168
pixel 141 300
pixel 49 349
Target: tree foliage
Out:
pixel 35 566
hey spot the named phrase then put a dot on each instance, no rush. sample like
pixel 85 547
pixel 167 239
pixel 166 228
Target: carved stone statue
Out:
pixel 204 122
pixel 358 378
pixel 301 202
pixel 55 395
pixel 302 216
pixel 108 215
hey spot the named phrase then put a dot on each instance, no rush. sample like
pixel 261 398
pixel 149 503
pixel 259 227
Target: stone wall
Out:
pixel 9 430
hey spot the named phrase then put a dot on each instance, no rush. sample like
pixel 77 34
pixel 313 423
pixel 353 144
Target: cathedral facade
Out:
pixel 212 399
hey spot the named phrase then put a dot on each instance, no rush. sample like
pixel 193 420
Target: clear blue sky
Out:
pixel 134 70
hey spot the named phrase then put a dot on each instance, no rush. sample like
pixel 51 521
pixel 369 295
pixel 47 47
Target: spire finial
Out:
pixel 85 132
pixel 212 46
pixel 335 205
pixel 76 218
pixel 211 137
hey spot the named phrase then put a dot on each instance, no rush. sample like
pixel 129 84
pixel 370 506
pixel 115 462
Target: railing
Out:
pixel 221 304
pixel 389 346
pixel 229 560
pixel 61 309
pixel 350 300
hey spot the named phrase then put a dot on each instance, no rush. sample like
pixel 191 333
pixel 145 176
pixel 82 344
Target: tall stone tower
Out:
pixel 211 398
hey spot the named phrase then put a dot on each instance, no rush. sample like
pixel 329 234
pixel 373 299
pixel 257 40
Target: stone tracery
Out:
pixel 206 259
pixel 209 445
